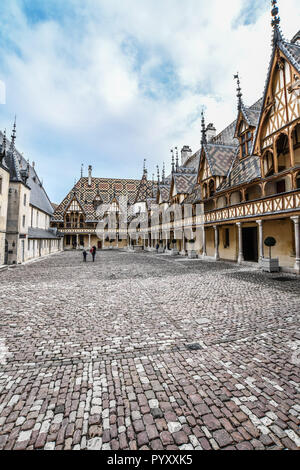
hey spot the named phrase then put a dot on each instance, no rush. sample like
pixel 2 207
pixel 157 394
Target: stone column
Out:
pixel 297 242
pixel 217 254
pixel 204 242
pixel 261 239
pixel 240 241
pixel 77 242
pixel 89 241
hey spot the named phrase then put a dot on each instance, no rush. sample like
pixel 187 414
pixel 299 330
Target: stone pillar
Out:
pixel 297 242
pixel 217 254
pixel 240 241
pixel 261 239
pixel 77 242
pixel 89 241
pixel 204 242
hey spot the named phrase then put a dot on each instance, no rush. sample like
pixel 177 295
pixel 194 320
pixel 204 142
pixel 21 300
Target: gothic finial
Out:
pixel 145 172
pixel 158 175
pixel 203 129
pixel 164 174
pixel 239 91
pixel 81 173
pixel 177 160
pixel 173 161
pixel 14 134
pixel 275 22
pixel 152 185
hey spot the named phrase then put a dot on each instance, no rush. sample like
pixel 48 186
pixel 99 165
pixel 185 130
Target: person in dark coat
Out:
pixel 84 255
pixel 93 251
pixel 157 248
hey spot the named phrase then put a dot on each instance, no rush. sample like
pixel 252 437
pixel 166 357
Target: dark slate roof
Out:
pixel 194 196
pixel 108 188
pixel 145 190
pixel 38 195
pixel 292 52
pixel 164 190
pixel 38 233
pixel 185 182
pixel 219 158
pixel 243 172
pixel 252 114
pixel 192 162
pixel 16 164
pixel 226 137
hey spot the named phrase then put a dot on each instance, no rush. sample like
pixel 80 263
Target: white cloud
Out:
pixel 122 80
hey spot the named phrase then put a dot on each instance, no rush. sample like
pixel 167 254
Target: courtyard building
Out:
pixel 248 177
pixel 25 209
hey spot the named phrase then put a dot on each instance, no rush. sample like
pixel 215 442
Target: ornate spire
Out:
pixel 203 129
pixel 158 176
pixel 173 161
pixel 14 134
pixel 277 36
pixel 81 173
pixel 164 174
pixel 153 185
pixel 177 160
pixel 145 172
pixel 239 91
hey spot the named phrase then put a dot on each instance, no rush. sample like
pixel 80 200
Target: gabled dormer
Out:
pixel 74 215
pixel 276 138
pixel 244 135
pixel 245 124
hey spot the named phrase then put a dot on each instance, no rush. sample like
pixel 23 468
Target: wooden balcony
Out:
pixel 269 205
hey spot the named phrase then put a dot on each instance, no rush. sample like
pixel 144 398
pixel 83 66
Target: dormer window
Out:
pixel 245 138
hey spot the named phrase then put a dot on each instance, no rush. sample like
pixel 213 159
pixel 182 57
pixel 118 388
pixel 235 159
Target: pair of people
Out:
pixel 93 251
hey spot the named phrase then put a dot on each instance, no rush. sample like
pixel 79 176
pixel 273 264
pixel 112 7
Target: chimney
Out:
pixel 211 132
pixel 186 153
pixel 90 175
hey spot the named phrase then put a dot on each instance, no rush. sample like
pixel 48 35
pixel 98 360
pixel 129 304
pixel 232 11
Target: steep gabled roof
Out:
pixel 194 196
pixel 184 182
pixel 145 190
pixel 219 158
pixel 108 190
pixel 17 164
pixel 292 53
pixel 243 171
pixel 164 192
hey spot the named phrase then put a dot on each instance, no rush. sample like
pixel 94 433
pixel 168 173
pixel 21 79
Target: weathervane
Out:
pixel 239 90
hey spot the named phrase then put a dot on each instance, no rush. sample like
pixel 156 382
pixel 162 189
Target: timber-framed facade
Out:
pixel 246 179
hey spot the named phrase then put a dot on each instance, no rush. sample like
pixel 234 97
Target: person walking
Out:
pixel 84 255
pixel 93 251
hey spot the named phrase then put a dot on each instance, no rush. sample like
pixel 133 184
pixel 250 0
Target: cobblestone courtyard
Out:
pixel 97 355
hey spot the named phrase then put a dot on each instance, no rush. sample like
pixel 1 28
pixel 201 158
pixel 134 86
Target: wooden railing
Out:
pixel 279 203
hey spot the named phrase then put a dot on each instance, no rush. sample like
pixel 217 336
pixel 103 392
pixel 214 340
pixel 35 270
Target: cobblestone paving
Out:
pixel 101 356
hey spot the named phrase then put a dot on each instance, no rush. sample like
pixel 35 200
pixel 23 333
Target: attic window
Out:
pixel 245 138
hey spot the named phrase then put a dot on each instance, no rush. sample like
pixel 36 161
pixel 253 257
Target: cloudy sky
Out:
pixel 111 82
